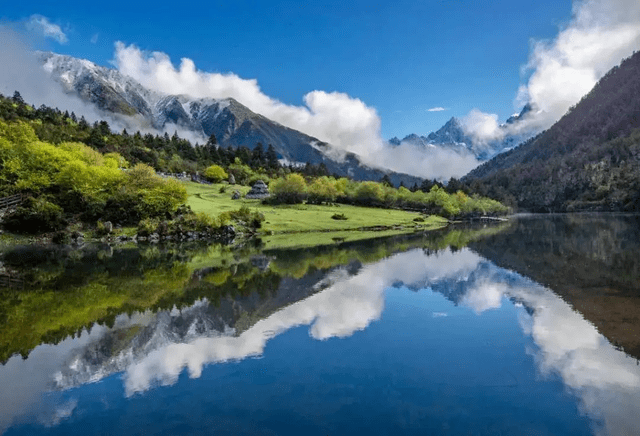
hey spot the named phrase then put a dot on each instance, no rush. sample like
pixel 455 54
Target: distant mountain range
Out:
pixel 452 136
pixel 588 160
pixel 232 123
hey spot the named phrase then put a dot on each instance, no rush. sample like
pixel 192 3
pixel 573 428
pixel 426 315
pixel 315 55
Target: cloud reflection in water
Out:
pixel 606 381
pixel 349 304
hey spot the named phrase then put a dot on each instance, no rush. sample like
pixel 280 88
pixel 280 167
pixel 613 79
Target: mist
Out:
pixel 23 73
pixel 599 35
pixel 561 71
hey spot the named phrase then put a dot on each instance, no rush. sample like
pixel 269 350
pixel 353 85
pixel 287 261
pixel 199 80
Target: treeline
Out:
pixel 164 153
pixel 294 189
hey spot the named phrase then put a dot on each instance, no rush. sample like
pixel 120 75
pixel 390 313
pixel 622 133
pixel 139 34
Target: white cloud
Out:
pixel 436 109
pixel 433 163
pixel 600 34
pixel 22 72
pixel 348 304
pixel 345 122
pixel 41 24
pixel 487 295
pixel 481 126
pixel 94 38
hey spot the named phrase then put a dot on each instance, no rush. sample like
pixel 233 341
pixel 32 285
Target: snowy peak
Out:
pixel 108 89
pixel 518 117
pixel 233 124
pixel 452 137
pixel 450 133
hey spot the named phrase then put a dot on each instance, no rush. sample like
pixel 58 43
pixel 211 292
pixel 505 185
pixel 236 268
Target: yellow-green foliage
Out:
pixel 370 193
pixel 70 171
pixel 241 172
pixel 322 190
pixel 291 189
pixel 215 173
pixel 294 189
pixel 157 195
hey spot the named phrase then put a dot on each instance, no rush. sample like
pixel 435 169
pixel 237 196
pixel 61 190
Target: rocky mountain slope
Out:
pixel 588 160
pixel 452 136
pixel 232 123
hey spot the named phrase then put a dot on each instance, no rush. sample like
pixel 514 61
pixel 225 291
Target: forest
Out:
pixel 588 161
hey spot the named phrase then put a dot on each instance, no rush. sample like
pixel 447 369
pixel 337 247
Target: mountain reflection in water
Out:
pixel 335 299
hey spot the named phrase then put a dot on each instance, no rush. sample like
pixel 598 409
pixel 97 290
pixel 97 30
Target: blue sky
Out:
pixel 401 57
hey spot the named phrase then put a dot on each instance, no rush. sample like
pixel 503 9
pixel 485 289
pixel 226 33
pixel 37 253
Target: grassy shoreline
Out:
pixel 300 225
pixel 309 224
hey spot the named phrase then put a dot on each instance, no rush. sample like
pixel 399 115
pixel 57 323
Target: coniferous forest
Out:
pixel 588 161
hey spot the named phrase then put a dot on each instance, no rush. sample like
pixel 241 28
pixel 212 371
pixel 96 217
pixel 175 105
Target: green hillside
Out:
pixel 588 160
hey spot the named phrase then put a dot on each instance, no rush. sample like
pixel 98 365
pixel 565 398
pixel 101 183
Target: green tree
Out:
pixel 322 190
pixel 370 194
pixel 215 173
pixel 272 157
pixel 290 190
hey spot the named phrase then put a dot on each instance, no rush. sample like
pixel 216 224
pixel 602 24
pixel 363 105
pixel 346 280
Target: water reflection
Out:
pixel 591 260
pixel 350 302
pixel 332 294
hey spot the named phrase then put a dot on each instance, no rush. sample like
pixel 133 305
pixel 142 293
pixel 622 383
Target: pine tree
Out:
pixel 272 157
pixel 17 98
pixel 386 181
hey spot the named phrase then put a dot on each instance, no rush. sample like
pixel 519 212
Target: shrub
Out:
pixel 252 219
pixel 35 216
pixel 322 190
pixel 289 190
pixel 241 173
pixel 215 174
pixel 147 226
pixel 338 216
pixel 200 222
pixel 370 194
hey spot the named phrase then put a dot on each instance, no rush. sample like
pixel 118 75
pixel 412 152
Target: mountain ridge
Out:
pixel 453 136
pixel 233 124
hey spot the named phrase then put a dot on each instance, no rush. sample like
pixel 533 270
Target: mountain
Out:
pixel 588 160
pixel 452 136
pixel 135 338
pixel 232 123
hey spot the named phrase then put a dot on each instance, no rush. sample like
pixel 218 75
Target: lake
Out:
pixel 525 327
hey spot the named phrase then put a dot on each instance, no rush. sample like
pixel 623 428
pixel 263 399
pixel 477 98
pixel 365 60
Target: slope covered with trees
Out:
pixel 588 160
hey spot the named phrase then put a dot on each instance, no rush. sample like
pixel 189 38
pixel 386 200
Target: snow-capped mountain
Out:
pixel 452 136
pixel 232 123
pixel 133 338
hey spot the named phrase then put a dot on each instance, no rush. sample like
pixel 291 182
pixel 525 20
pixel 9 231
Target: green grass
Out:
pixel 306 218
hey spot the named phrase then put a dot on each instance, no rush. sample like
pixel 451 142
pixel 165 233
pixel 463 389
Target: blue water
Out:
pixel 426 365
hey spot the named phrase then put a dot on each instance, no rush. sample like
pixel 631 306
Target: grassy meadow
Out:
pixel 311 224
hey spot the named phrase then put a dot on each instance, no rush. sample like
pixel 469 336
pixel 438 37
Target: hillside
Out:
pixel 588 160
pixel 233 124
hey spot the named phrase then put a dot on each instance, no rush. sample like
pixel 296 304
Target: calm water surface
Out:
pixel 475 331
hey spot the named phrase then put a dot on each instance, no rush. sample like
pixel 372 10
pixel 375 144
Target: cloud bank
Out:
pixel 345 122
pixel 22 72
pixel 41 24
pixel 600 34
